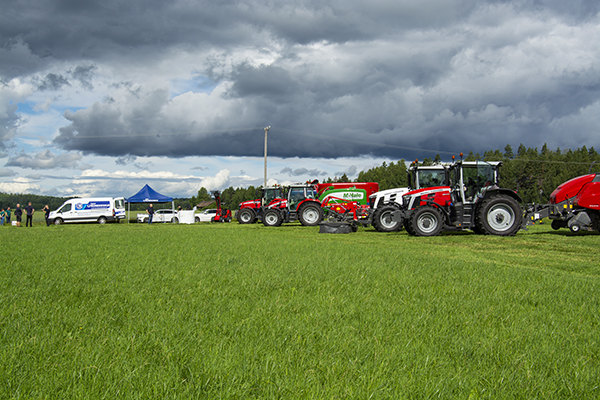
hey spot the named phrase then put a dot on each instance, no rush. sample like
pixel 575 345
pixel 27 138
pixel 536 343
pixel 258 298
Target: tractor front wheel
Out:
pixel 310 215
pixel 499 215
pixel 272 218
pixel 383 221
pixel 426 221
pixel 246 216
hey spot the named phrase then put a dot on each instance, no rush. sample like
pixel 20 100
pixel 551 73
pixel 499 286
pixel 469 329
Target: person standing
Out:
pixel 18 214
pixel 150 211
pixel 8 215
pixel 2 216
pixel 46 210
pixel 29 210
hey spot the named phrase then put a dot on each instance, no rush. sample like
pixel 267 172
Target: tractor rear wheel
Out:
pixel 310 215
pixel 272 218
pixel 426 221
pixel 499 215
pixel 383 222
pixel 246 216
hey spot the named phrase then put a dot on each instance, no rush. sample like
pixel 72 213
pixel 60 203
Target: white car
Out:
pixel 165 215
pixel 206 215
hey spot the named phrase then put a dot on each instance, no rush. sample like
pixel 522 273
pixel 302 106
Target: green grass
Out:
pixel 242 311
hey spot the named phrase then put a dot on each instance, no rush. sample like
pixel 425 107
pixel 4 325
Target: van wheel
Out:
pixel 101 220
pixel 58 221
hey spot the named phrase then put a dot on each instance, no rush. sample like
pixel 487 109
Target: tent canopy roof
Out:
pixel 148 195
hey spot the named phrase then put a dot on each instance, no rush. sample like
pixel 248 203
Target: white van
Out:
pixel 99 209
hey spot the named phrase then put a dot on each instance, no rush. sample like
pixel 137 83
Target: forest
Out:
pixel 532 173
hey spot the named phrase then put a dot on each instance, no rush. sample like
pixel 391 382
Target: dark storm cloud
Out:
pixel 125 160
pixel 389 78
pixel 52 82
pixel 71 29
pixel 84 75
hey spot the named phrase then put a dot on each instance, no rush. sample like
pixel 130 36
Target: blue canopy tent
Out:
pixel 148 195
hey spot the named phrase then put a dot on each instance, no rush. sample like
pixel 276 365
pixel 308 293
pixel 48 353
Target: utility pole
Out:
pixel 266 132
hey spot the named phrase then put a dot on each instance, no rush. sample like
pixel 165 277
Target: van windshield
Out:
pixel 65 208
pixel 119 203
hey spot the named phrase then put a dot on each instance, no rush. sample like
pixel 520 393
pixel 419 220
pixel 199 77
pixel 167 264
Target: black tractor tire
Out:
pixel 272 218
pixel 382 219
pixel 408 226
pixel 310 214
pixel 426 221
pixel 557 224
pixel 499 215
pixel 246 216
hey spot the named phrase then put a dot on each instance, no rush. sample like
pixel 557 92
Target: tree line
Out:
pixel 38 202
pixel 532 173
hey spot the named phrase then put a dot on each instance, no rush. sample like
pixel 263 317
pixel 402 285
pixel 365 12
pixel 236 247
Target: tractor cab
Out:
pixel 427 176
pixel 271 193
pixel 298 193
pixel 470 179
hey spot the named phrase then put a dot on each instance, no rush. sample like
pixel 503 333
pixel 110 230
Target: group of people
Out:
pixel 6 215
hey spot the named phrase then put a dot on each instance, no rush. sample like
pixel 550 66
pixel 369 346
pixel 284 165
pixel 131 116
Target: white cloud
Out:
pixel 20 185
pixel 45 160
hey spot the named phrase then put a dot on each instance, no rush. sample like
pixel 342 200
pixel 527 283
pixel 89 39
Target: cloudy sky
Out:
pixel 102 97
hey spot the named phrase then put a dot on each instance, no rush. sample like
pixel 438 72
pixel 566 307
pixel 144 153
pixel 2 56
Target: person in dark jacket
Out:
pixel 150 211
pixel 46 210
pixel 18 214
pixel 29 210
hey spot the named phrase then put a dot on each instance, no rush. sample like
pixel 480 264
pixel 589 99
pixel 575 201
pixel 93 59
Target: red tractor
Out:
pixel 574 204
pixel 252 210
pixel 472 201
pixel 301 204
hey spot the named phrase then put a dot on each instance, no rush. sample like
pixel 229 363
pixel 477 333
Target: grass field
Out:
pixel 228 311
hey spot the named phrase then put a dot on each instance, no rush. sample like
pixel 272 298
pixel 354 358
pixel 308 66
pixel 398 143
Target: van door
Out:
pixel 65 212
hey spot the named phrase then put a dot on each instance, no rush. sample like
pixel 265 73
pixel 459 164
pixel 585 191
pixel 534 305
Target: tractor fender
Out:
pixel 502 191
pixel 307 201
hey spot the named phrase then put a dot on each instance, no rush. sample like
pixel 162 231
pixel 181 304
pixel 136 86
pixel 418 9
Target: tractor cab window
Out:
pixel 476 177
pixel 271 194
pixel 295 196
pixel 430 178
